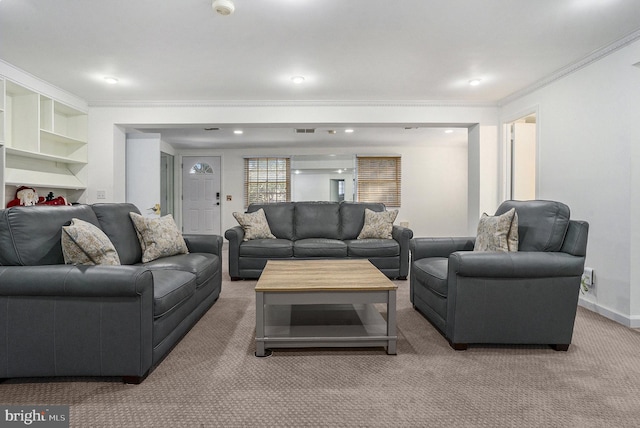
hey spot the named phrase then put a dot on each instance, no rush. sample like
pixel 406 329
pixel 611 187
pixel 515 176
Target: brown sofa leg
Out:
pixel 561 347
pixel 235 278
pixel 459 346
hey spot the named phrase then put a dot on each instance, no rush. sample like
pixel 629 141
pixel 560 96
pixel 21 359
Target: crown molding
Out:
pixel 572 68
pixel 289 103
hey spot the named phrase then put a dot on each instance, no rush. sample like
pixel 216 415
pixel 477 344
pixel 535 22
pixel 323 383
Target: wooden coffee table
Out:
pixel 324 303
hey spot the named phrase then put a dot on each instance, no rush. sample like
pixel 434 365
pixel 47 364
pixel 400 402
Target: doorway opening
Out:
pixel 523 160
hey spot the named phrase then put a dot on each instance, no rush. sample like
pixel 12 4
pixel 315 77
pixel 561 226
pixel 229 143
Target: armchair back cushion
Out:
pixel 117 225
pixel 31 236
pixel 546 220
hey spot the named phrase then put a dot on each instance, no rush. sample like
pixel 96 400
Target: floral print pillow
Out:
pixel 378 224
pixel 159 237
pixel 254 224
pixel 85 244
pixel 498 233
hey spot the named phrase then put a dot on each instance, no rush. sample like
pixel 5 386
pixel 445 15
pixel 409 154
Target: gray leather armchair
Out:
pixel 524 297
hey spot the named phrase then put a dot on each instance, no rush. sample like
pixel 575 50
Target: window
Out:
pixel 201 168
pixel 379 179
pixel 267 180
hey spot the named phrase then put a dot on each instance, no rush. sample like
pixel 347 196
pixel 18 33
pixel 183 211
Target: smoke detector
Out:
pixel 223 7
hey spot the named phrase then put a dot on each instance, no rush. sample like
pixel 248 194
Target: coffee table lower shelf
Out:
pixel 343 325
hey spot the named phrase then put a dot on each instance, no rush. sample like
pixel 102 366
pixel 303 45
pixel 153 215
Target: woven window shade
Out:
pixel 379 179
pixel 267 180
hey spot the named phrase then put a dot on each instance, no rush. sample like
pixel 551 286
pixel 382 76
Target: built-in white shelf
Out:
pixel 43 156
pixel 43 142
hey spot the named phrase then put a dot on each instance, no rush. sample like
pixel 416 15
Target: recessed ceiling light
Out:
pixel 238 131
pixel 297 79
pixel 448 131
pixel 474 82
pixel 111 80
pixel 348 131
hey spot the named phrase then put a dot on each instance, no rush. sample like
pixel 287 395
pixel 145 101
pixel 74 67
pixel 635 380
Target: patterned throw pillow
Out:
pixel 85 244
pixel 498 233
pixel 378 224
pixel 255 225
pixel 159 237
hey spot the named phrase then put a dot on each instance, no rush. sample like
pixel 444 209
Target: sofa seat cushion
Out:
pixel 432 273
pixel 276 248
pixel 202 265
pixel 319 247
pixel 171 288
pixel 373 248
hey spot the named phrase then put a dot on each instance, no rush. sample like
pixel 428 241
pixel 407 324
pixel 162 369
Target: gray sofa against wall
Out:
pixel 323 230
pixel 120 321
pixel 529 296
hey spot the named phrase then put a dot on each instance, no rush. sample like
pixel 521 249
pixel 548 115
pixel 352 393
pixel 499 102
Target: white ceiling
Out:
pixel 348 50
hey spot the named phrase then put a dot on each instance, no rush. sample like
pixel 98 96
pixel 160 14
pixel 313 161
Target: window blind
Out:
pixel 379 179
pixel 267 180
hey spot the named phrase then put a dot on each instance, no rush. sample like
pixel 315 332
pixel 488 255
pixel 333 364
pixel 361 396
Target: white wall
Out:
pixel 435 181
pixel 588 158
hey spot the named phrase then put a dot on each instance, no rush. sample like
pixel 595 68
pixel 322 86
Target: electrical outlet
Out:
pixel 101 194
pixel 588 277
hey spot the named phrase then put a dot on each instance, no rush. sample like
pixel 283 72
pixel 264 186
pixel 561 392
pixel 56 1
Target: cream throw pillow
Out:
pixel 85 244
pixel 159 237
pixel 378 224
pixel 254 224
pixel 498 233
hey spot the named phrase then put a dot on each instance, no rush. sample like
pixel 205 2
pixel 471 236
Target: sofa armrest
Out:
pixel 235 235
pixel 204 244
pixel 523 264
pixel 64 320
pixel 403 235
pixel 422 248
pixel 75 281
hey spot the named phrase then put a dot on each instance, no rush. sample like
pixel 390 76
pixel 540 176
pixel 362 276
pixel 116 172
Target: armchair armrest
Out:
pixel 523 264
pixel 204 244
pixel 422 248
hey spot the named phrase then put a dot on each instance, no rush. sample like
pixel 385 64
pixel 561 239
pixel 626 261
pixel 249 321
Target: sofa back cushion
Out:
pixel 31 236
pixel 317 220
pixel 542 225
pixel 279 216
pixel 115 222
pixel 352 217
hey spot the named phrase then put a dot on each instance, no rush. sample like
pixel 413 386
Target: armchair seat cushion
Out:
pixel 267 247
pixel 373 248
pixel 202 265
pixel 432 273
pixel 319 247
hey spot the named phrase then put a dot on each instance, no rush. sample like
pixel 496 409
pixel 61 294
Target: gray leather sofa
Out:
pixel 524 297
pixel 67 320
pixel 307 230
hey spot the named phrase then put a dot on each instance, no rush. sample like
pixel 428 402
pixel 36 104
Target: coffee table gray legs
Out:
pixel 278 307
pixel 260 349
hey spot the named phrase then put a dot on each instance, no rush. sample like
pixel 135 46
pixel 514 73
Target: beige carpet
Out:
pixel 212 379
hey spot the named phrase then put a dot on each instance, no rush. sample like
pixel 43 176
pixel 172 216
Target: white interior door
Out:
pixel 201 194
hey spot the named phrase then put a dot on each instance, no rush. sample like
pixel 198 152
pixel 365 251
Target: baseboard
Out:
pixel 632 321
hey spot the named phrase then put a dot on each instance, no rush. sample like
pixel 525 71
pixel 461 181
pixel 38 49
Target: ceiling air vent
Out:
pixel 305 130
